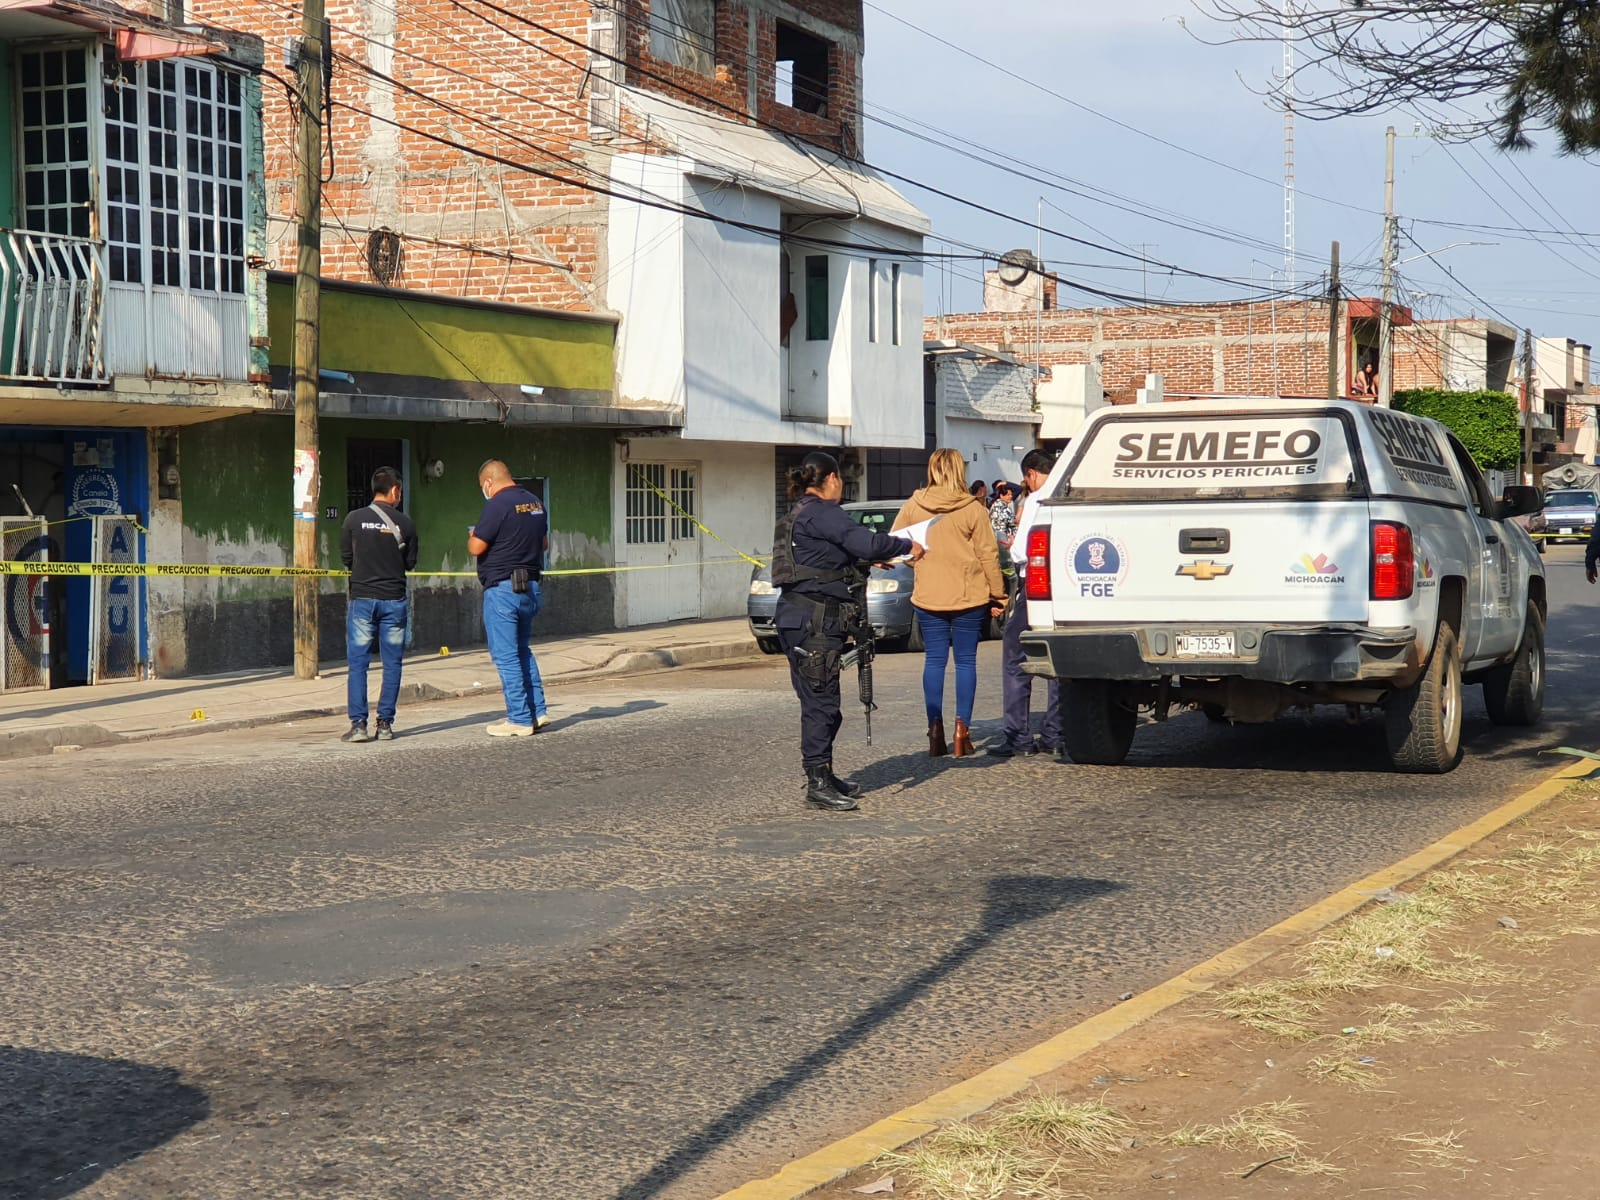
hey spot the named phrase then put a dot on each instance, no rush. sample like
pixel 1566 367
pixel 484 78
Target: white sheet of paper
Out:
pixel 918 533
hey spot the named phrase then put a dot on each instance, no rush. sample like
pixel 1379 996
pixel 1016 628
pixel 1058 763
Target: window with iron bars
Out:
pixel 57 192
pixel 175 175
pixel 662 502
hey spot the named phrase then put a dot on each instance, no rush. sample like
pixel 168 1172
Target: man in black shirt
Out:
pixel 509 542
pixel 379 545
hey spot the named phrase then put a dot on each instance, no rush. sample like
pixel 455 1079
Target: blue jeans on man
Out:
pixel 1017 688
pixel 365 620
pixel 508 623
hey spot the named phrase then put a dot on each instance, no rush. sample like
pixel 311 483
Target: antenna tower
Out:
pixel 1288 144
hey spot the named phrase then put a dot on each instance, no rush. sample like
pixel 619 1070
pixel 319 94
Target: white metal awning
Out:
pixel 750 156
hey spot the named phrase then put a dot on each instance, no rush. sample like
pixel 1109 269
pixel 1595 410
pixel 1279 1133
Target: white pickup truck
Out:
pixel 1254 556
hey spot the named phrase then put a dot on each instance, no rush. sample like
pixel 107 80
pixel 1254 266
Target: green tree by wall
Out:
pixel 1486 422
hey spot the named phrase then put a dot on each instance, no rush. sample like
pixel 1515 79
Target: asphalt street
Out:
pixel 621 960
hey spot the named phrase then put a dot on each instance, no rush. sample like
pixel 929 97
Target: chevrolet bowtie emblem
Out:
pixel 1205 568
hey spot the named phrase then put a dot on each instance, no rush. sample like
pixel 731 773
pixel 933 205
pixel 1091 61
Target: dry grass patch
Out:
pixel 1345 1068
pixel 1545 1039
pixel 1399 943
pixel 1022 1151
pixel 1089 1130
pixel 1437 1150
pixel 966 1162
pixel 1287 1009
pixel 1261 1128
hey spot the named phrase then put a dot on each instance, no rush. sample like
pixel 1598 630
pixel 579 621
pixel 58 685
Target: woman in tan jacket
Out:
pixel 958 588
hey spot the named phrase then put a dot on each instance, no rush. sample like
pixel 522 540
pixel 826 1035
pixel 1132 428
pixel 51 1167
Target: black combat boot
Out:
pixel 820 792
pixel 847 788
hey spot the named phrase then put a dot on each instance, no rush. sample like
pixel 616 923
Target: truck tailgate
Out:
pixel 1213 562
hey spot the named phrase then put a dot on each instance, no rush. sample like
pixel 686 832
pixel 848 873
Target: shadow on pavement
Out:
pixel 67 1119
pixel 1010 901
pixel 601 713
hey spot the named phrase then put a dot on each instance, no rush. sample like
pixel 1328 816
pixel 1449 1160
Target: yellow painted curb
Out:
pixel 1005 1079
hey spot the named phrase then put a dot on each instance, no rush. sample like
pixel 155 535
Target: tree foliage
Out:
pixel 1536 61
pixel 1486 422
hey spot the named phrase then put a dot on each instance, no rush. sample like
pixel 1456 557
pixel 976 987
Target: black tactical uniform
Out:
pixel 816 614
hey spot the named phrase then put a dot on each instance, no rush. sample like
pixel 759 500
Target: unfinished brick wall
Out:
pixel 1230 348
pixel 469 226
pixel 745 54
pixel 474 227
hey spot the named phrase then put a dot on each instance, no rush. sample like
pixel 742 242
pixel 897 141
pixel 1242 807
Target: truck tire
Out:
pixel 1514 692
pixel 1423 721
pixel 1096 728
pixel 769 645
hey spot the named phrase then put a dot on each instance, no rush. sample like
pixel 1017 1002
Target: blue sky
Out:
pixel 1134 62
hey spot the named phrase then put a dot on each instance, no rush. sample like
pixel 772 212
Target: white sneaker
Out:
pixel 542 720
pixel 507 729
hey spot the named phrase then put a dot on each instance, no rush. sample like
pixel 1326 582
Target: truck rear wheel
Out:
pixel 1423 721
pixel 1514 692
pixel 1096 728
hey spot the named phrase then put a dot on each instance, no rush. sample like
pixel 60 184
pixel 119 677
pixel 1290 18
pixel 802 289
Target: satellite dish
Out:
pixel 1015 266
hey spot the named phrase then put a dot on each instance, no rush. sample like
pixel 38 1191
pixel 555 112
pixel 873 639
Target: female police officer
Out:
pixel 817 555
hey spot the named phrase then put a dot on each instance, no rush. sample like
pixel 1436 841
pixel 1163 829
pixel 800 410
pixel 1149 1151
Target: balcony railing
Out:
pixel 52 308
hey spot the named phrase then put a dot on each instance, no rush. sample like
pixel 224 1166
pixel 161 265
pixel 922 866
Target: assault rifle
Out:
pixel 861 654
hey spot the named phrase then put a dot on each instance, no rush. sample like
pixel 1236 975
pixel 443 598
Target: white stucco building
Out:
pixel 788 317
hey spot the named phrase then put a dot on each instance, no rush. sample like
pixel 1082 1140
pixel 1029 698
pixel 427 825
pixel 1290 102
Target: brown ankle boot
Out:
pixel 936 746
pixel 963 740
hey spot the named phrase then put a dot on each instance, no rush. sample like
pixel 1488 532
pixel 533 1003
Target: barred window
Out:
pixel 647 504
pixel 175 199
pixel 54 90
pixel 683 503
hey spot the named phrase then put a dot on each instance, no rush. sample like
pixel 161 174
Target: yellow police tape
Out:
pixel 228 571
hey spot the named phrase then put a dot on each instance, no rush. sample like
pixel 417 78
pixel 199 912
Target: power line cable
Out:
pixel 1120 124
pixel 744 116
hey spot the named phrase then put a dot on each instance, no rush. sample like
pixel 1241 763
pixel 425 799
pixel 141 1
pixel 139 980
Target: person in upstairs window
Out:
pixel 378 544
pixel 1366 383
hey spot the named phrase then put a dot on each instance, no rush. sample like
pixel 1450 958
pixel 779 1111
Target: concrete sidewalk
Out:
pixel 39 722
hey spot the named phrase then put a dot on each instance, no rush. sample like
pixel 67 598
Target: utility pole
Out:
pixel 1334 390
pixel 1385 309
pixel 1527 406
pixel 307 329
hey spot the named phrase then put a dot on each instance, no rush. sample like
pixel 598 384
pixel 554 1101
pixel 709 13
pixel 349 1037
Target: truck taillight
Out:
pixel 1394 565
pixel 1036 584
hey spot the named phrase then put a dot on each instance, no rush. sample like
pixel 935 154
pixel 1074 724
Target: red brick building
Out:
pixel 537 84
pixel 1262 348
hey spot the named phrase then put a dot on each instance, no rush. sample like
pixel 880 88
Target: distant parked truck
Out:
pixel 1569 513
pixel 1254 556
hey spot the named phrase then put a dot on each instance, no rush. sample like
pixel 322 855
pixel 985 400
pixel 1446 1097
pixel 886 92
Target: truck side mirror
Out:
pixel 1519 501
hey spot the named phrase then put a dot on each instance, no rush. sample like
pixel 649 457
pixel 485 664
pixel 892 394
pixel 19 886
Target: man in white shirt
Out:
pixel 1017 686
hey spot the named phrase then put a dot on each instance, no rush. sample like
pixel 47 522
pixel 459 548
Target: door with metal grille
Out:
pixel 661 535
pixel 25 640
pixel 362 457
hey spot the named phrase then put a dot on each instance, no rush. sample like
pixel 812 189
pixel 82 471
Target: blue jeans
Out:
pixel 364 620
pixel 508 623
pixel 942 632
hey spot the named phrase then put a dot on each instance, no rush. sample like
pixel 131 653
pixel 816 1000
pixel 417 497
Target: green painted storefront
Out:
pixel 237 473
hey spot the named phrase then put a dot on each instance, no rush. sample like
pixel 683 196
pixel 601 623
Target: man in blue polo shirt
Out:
pixel 509 542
